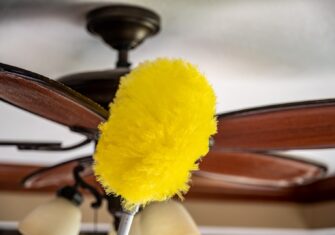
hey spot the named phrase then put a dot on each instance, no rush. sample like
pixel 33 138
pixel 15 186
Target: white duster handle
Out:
pixel 126 221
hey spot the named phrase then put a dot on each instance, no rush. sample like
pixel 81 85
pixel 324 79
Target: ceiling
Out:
pixel 254 52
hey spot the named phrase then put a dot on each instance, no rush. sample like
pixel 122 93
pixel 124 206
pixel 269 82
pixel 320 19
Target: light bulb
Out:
pixel 167 218
pixel 61 216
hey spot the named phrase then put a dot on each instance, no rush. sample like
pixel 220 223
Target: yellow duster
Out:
pixel 160 123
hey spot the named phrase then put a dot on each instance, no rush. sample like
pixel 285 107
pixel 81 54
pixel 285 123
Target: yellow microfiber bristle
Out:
pixel 160 123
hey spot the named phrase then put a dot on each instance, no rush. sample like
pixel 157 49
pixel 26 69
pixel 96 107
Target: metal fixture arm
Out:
pixel 79 182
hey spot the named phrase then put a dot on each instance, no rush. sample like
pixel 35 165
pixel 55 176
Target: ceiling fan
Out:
pixel 241 157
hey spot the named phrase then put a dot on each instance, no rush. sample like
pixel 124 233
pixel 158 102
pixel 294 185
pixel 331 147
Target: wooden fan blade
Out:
pixel 302 125
pixel 57 175
pixel 202 188
pixel 16 177
pixel 11 175
pixel 257 169
pixel 318 191
pixel 48 98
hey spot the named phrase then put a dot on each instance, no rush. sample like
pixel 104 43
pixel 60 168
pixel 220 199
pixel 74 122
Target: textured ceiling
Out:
pixel 254 52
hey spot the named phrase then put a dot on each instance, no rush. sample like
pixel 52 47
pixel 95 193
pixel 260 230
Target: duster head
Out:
pixel 159 126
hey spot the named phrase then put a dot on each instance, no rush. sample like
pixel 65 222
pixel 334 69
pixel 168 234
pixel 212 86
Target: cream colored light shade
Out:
pixel 167 218
pixel 57 217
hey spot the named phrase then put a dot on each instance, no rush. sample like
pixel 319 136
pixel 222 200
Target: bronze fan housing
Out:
pixel 123 27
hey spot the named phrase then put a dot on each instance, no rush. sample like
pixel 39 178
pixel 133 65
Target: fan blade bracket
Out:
pixel 44 146
pixel 31 145
pixel 92 134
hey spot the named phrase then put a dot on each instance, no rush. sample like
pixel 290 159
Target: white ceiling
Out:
pixel 254 52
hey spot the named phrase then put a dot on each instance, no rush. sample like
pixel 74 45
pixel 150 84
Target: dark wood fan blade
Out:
pixel 16 177
pixel 229 167
pixel 57 175
pixel 258 169
pixel 202 188
pixel 318 191
pixel 11 175
pixel 302 125
pixel 48 98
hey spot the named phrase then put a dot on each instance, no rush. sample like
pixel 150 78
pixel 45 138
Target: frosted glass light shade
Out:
pixel 57 217
pixel 167 218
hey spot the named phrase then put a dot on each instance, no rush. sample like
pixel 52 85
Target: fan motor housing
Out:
pixel 99 86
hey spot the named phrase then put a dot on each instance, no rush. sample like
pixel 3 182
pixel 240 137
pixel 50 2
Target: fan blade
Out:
pixel 302 125
pixel 11 175
pixel 202 188
pixel 57 175
pixel 48 98
pixel 257 169
pixel 253 169
pixel 318 191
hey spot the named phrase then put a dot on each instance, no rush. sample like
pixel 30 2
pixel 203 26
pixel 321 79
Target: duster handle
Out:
pixel 126 221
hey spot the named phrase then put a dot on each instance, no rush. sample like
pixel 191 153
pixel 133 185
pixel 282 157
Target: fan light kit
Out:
pixel 80 102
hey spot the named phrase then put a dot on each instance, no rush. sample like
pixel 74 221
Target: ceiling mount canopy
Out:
pixel 123 27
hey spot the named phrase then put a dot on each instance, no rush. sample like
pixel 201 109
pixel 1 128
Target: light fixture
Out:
pixel 62 215
pixel 166 218
pixel 59 216
pixel 163 218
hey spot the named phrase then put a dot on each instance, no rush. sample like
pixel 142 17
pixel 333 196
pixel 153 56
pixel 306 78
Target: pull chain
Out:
pixel 95 221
